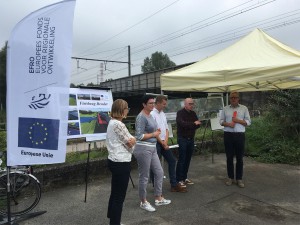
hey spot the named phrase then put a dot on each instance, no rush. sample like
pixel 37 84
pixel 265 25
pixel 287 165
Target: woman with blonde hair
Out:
pixel 120 145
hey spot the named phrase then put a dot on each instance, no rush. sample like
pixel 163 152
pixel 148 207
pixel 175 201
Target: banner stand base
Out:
pixel 87 171
pixel 15 220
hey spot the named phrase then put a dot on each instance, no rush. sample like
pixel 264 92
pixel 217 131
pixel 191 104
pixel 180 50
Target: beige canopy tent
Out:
pixel 257 62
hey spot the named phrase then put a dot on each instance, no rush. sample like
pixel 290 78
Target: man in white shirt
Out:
pixel 162 142
pixel 235 117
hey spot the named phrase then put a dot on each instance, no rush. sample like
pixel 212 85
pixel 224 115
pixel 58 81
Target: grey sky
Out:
pixel 186 30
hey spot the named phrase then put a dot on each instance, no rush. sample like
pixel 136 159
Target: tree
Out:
pixel 284 107
pixel 91 84
pixel 72 85
pixel 3 77
pixel 157 61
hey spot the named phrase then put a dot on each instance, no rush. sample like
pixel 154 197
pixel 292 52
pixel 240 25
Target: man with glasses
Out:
pixel 187 123
pixel 235 117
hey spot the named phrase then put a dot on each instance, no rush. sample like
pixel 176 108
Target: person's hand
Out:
pixel 197 122
pixel 231 124
pixel 165 145
pixel 156 133
pixel 131 142
pixel 235 120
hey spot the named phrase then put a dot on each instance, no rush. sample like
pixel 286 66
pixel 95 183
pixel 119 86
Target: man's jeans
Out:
pixel 186 149
pixel 171 160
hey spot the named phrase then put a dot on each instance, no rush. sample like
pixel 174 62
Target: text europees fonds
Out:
pixel 42 62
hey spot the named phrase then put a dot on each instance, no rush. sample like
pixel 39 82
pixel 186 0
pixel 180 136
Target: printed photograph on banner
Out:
pixel 38 133
pixel 84 96
pixel 96 97
pixel 73 115
pixel 93 121
pixel 73 128
pixel 72 100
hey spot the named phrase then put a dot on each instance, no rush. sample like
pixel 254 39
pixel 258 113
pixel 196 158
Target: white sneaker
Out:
pixel 189 182
pixel 162 202
pixel 147 206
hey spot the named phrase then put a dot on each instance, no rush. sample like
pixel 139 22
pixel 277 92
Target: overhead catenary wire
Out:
pixel 161 40
pixel 125 30
pixel 222 37
pixel 189 27
pixel 187 48
pixel 166 34
pixel 204 20
pixel 234 32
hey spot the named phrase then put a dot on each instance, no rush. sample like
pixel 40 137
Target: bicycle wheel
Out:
pixel 25 193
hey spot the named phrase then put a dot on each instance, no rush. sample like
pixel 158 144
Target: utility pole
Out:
pixel 100 79
pixel 106 61
pixel 129 62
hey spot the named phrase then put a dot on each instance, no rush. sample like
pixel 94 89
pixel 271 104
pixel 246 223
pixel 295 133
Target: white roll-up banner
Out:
pixel 38 78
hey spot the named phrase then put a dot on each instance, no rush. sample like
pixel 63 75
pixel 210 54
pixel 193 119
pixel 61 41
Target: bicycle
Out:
pixel 25 190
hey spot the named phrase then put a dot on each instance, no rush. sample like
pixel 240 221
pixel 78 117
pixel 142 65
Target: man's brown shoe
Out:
pixel 178 188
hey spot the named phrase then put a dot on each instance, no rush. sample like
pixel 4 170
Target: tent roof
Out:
pixel 257 62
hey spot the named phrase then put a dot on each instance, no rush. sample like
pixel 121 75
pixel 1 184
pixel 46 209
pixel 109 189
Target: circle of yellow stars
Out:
pixel 41 128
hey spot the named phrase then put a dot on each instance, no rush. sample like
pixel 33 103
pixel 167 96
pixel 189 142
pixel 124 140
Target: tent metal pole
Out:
pixel 227 101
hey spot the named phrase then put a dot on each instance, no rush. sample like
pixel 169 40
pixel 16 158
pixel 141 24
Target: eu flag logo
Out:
pixel 38 133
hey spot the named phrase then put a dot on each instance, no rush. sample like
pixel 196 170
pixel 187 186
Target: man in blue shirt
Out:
pixel 235 117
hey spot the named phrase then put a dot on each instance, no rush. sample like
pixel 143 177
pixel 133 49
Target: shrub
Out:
pixel 2 140
pixel 274 138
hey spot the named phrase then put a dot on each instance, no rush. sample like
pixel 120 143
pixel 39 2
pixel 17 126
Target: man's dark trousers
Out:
pixel 171 160
pixel 234 146
pixel 186 149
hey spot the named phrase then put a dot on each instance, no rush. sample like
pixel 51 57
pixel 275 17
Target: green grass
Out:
pixel 89 115
pixel 82 156
pixel 88 128
pixel 72 101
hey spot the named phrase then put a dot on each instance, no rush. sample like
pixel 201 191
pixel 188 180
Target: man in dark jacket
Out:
pixel 187 123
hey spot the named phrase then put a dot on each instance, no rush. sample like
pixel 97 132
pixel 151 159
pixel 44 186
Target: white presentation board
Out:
pixel 89 113
pixel 215 125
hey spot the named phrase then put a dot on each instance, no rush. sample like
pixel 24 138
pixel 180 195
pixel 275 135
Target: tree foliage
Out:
pixel 284 105
pixel 275 137
pixel 3 76
pixel 91 84
pixel 157 61
pixel 72 85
